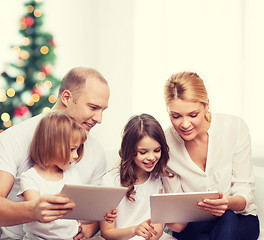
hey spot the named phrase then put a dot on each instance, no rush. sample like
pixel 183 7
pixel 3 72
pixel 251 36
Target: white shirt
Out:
pixel 14 159
pixel 133 213
pixel 61 228
pixel 228 165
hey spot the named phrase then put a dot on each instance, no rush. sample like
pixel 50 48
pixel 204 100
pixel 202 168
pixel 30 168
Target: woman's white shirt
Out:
pixel 228 165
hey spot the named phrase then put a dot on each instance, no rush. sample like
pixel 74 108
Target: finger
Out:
pixel 53 213
pixel 115 211
pixel 212 208
pixel 47 219
pixel 150 229
pixel 213 203
pixel 51 206
pixel 55 199
pixel 144 233
pixel 216 212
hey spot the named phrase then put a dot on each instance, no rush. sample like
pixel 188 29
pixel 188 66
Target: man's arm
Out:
pixel 12 213
pixel 47 208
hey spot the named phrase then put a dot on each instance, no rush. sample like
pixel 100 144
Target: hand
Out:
pixel 145 230
pixel 216 207
pixel 110 217
pixel 80 234
pixel 51 207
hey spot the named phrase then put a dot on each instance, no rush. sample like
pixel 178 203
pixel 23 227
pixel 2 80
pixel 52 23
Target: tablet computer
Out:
pixel 92 202
pixel 179 207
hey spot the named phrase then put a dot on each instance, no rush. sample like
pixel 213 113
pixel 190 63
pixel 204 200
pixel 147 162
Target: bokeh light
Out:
pixel 41 76
pixel 7 124
pixel 37 13
pixel 44 50
pixel 20 79
pixel 5 117
pixel 35 97
pixel 45 109
pixel 52 99
pixel 30 8
pixel 11 92
pixel 48 84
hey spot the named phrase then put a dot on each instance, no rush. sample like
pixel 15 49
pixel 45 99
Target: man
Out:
pixel 83 95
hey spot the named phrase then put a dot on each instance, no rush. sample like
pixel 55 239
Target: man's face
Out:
pixel 89 103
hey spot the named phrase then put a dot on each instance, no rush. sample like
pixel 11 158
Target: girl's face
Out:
pixel 75 144
pixel 188 118
pixel 148 154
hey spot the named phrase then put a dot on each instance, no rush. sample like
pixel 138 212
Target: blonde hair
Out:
pixel 187 86
pixel 52 138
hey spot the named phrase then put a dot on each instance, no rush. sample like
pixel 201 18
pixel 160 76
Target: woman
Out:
pixel 209 152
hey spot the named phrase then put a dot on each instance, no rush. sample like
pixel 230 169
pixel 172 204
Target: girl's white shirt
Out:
pixel 61 228
pixel 133 213
pixel 228 165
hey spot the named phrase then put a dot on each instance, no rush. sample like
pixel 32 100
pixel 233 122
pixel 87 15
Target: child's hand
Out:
pixel 145 230
pixel 110 217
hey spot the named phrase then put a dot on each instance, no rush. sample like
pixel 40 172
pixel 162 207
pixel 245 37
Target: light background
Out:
pixel 138 44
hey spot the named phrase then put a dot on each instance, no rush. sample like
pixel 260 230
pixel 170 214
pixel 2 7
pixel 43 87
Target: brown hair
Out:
pixel 75 79
pixel 187 86
pixel 138 127
pixel 52 137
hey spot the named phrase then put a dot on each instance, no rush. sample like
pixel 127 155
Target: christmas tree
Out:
pixel 31 87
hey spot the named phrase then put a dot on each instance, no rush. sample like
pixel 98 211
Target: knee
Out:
pixel 230 218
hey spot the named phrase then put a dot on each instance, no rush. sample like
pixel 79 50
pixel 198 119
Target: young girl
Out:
pixel 57 143
pixel 144 155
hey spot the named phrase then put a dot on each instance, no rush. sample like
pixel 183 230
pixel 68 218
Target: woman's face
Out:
pixel 187 117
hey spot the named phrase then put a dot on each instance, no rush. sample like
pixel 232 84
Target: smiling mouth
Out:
pixel 187 132
pixel 88 126
pixel 149 165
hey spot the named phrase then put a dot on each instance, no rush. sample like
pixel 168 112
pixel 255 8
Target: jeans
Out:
pixel 230 226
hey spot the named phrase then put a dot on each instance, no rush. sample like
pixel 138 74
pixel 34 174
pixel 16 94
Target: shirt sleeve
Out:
pixel 8 153
pixel 242 171
pixel 27 182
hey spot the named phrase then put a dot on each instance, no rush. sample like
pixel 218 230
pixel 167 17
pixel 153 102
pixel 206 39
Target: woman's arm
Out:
pixel 145 229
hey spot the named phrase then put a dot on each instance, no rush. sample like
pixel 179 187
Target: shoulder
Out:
pixel 93 142
pixel 93 147
pixel 112 178
pixel 172 137
pixel 228 122
pixel 30 176
pixel 229 128
pixel 94 154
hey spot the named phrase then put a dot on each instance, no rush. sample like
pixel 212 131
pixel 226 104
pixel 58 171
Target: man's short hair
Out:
pixel 76 78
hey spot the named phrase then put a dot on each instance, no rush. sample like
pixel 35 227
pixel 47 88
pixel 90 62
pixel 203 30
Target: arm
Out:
pixel 145 229
pixel 44 209
pixel 13 213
